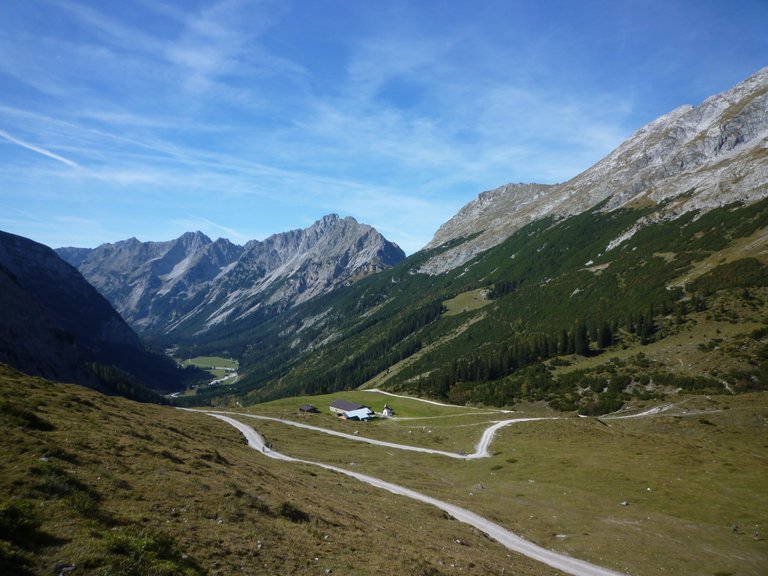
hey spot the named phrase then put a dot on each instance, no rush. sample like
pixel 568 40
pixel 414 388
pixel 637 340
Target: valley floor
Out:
pixel 506 538
pixel 685 480
pixel 103 485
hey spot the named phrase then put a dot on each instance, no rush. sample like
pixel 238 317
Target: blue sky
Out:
pixel 242 119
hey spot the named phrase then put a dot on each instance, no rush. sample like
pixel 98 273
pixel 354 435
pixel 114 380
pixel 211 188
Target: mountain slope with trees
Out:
pixel 616 274
pixel 716 152
pixel 548 297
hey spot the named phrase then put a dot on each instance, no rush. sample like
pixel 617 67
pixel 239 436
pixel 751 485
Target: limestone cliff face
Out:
pixel 493 216
pixel 193 281
pixel 146 281
pixel 693 158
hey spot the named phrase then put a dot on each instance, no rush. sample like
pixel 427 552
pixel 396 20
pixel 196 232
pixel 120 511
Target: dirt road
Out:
pixel 511 541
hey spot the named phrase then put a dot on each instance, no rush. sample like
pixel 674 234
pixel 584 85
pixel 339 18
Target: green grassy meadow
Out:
pixel 217 366
pixel 682 492
pixel 116 487
pixel 466 302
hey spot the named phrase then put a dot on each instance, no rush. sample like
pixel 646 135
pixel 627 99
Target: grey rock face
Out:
pixel 696 158
pixel 192 281
pixel 491 214
pixel 143 278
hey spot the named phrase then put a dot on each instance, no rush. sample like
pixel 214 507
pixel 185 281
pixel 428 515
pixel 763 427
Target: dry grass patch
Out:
pixel 467 302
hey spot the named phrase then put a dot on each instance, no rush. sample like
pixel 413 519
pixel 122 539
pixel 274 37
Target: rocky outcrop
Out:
pixel 694 158
pixel 149 281
pixel 486 222
pixel 162 287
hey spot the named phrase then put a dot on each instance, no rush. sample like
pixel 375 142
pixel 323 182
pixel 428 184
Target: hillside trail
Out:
pixel 425 400
pixel 509 540
pixel 481 449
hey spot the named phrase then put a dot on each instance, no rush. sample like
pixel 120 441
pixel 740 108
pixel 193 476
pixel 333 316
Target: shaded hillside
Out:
pixel 54 324
pixel 31 342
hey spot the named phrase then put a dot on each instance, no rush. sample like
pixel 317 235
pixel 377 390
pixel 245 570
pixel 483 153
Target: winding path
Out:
pixel 506 538
pixel 435 402
pixel 481 450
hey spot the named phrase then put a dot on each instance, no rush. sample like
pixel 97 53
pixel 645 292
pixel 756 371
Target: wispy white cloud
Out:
pixel 111 32
pixel 409 218
pixel 353 150
pixel 55 230
pixel 391 112
pixel 380 62
pixel 38 149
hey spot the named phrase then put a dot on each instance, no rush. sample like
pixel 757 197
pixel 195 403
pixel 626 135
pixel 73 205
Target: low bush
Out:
pixel 19 521
pixel 134 552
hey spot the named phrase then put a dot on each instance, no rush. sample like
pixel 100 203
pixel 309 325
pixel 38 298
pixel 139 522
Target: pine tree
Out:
pixel 581 339
pixel 605 336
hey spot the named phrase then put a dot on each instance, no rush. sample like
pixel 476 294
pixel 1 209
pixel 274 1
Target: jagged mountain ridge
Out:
pixel 192 283
pixel 693 158
pixel 137 276
pixel 56 325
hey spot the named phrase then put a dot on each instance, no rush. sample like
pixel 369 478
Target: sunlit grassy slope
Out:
pixel 120 488
pixel 684 491
pixel 115 487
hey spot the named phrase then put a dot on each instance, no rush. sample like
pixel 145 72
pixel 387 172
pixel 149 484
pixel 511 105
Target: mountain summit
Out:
pixel 193 283
pixel 693 158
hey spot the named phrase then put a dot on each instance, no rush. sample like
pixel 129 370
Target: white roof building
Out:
pixel 361 414
pixel 351 410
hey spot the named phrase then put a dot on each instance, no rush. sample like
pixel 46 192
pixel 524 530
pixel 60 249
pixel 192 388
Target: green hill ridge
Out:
pixel 551 295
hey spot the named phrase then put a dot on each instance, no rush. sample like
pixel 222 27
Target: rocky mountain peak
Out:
pixel 330 220
pixel 165 286
pixel 485 213
pixel 693 158
pixel 194 240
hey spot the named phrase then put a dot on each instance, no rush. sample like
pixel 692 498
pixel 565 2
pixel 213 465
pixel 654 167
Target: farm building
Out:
pixel 361 414
pixel 351 410
pixel 308 408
